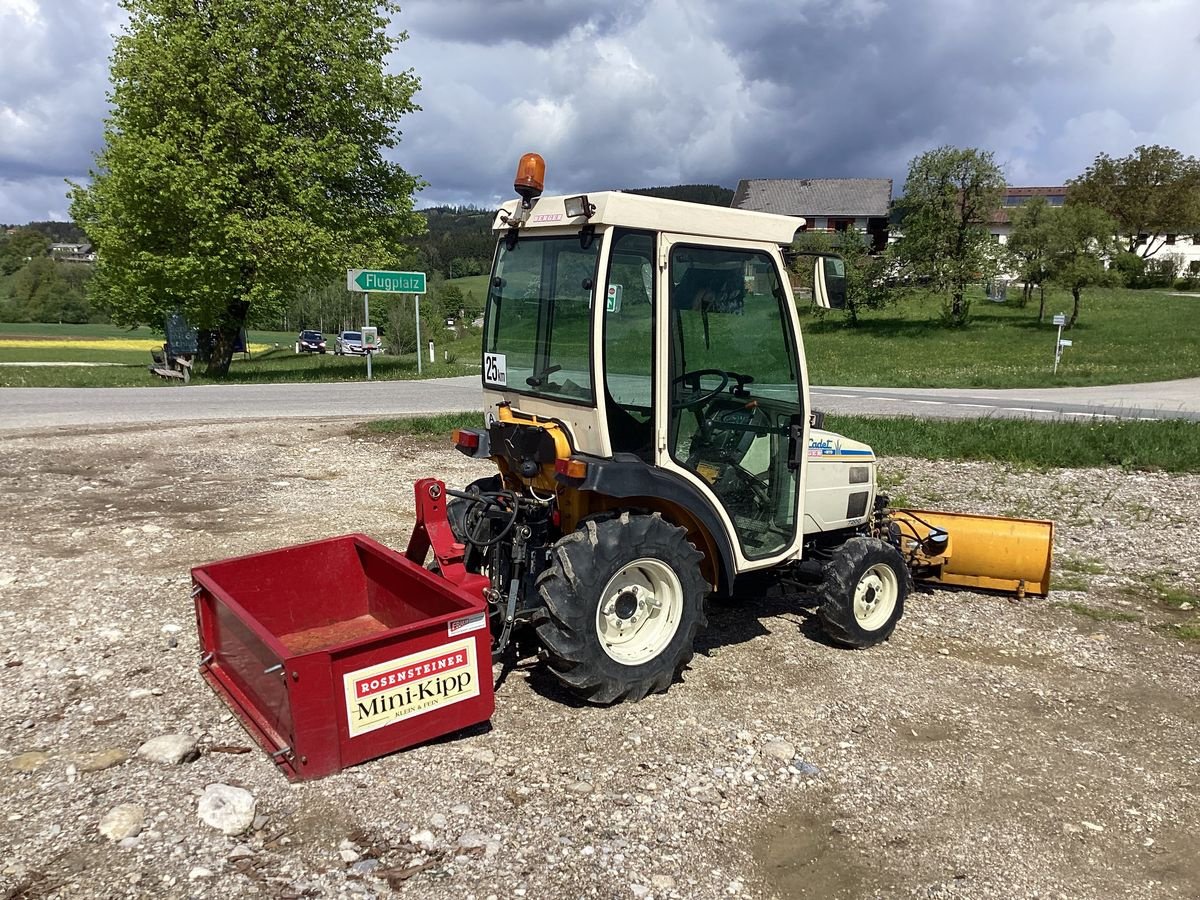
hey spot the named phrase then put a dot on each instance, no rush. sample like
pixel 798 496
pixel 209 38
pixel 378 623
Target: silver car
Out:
pixel 349 342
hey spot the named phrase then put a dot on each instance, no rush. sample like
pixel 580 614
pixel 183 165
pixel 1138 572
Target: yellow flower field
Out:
pixel 94 344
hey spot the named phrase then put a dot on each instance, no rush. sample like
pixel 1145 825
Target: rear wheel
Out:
pixel 862 597
pixel 622 601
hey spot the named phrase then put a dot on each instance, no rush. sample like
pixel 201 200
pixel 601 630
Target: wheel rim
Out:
pixel 875 596
pixel 639 611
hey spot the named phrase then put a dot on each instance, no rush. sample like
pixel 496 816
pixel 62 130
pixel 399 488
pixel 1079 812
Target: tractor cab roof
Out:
pixel 614 208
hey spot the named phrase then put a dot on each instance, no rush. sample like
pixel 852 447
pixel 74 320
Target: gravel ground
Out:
pixel 1044 748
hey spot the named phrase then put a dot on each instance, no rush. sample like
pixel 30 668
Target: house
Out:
pixel 73 252
pixel 826 204
pixel 1185 247
pixel 1001 223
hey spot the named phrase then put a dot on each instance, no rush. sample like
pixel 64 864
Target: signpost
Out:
pixel 1060 319
pixel 369 281
pixel 372 281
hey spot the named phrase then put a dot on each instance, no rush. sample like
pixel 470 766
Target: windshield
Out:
pixel 538 334
pixel 352 335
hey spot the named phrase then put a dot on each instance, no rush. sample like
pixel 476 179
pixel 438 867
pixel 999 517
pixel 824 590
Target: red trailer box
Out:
pixel 339 651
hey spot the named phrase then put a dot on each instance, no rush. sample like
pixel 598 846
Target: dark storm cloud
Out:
pixel 640 92
pixel 55 82
pixel 532 22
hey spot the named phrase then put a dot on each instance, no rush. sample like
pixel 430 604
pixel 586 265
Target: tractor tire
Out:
pixel 622 601
pixel 862 596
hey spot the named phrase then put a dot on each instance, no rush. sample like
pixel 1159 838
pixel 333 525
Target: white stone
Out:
pixel 228 809
pixel 199 872
pixel 472 840
pixel 168 749
pixel 124 821
pixel 140 693
pixel 662 882
pixel 348 856
pixel 779 750
pixel 423 839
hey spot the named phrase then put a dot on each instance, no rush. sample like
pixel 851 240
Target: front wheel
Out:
pixel 862 597
pixel 622 601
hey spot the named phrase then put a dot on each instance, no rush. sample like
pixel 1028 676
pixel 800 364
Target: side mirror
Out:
pixel 829 282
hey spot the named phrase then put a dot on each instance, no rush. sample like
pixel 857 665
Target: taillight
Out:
pixel 465 440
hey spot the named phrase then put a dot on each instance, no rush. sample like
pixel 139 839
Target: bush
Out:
pixel 1130 267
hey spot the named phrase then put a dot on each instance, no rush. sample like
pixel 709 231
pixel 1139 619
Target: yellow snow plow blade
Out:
pixel 989 552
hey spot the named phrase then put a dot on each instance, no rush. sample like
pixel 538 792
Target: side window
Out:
pixel 629 343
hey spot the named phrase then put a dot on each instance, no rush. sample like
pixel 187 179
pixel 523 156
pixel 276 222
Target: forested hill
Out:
pixel 459 240
pixel 58 232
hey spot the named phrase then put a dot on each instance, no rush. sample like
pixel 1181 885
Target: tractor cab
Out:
pixel 660 339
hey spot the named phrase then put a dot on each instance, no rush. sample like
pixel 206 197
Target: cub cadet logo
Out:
pixel 400 688
pixel 823 447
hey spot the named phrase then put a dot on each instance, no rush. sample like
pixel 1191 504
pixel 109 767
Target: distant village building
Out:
pixel 826 204
pixel 73 252
pixel 1185 247
pixel 1001 222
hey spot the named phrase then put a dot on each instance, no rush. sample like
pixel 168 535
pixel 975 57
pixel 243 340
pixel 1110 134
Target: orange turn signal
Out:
pixel 571 468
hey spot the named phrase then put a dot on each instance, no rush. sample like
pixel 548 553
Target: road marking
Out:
pixel 976 406
pixel 926 402
pixel 1091 415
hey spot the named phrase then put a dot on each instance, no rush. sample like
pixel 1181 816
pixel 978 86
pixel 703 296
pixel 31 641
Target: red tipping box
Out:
pixel 342 650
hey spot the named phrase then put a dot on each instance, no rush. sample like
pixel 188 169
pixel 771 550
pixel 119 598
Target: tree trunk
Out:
pixel 1041 302
pixel 1026 294
pixel 1075 310
pixel 227 333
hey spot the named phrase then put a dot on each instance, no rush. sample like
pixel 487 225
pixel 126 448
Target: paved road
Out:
pixel 24 408
pixel 1156 400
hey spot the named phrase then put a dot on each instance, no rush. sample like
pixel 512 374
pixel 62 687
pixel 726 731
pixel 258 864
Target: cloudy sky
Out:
pixel 632 93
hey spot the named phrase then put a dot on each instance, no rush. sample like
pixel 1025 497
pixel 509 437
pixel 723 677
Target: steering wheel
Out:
pixel 701 397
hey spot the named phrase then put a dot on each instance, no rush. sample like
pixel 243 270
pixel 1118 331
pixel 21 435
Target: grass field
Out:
pixel 120 357
pixel 1123 336
pixel 1170 446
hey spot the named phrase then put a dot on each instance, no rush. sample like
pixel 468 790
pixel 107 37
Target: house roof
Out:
pixel 1001 216
pixel 870 197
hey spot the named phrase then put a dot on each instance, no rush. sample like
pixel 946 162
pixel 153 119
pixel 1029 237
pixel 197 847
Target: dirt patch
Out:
pixel 990 749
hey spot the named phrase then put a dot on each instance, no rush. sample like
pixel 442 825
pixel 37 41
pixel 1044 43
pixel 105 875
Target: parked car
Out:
pixel 310 342
pixel 349 342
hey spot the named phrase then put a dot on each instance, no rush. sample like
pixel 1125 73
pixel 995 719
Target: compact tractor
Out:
pixel 646 403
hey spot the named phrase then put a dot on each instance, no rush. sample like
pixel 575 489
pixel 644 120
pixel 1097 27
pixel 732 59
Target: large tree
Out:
pixel 243 158
pixel 1081 239
pixel 1154 191
pixel 949 198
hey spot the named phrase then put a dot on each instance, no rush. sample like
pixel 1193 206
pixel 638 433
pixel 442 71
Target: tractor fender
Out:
pixel 628 478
